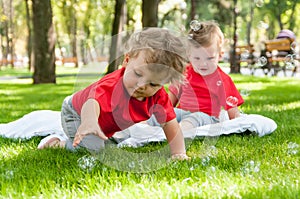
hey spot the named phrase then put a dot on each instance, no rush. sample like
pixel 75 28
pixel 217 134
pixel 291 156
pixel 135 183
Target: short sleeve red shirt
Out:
pixel 117 109
pixel 207 93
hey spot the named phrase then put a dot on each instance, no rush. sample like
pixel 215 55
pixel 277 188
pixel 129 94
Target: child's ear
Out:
pixel 221 53
pixel 126 59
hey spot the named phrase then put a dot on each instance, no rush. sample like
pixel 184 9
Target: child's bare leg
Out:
pixel 52 141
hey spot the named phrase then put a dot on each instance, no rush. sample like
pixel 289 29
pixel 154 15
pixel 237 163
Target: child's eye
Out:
pixel 137 74
pixel 210 58
pixel 197 58
pixel 154 85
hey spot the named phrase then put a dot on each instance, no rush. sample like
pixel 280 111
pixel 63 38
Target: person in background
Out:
pixel 207 89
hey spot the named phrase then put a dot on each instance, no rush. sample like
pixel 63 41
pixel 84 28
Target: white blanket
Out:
pixel 47 122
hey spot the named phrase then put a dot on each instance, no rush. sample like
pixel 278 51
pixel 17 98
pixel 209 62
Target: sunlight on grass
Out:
pixel 252 86
pixel 10 152
pixel 18 81
pixel 236 166
pixel 283 107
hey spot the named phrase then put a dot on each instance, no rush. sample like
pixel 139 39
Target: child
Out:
pixel 212 89
pixel 207 88
pixel 128 95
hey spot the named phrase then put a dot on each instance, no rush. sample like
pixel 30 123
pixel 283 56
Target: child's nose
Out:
pixel 141 84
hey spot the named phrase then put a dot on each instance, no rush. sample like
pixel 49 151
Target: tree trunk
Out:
pixel 29 38
pixel 292 17
pixel 74 39
pixel 149 11
pixel 114 60
pixel 44 42
pixel 249 23
pixel 58 38
pixel 4 36
pixel 11 34
pixel 234 67
pixel 193 9
pixel 279 21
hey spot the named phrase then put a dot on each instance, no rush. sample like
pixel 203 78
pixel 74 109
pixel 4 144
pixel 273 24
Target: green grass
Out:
pixel 237 166
pixel 24 72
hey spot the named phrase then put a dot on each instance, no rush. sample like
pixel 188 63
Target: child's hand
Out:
pixel 86 129
pixel 181 156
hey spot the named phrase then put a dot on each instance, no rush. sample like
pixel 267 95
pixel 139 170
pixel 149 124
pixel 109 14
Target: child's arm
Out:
pixel 89 121
pixel 175 139
pixel 173 99
pixel 233 113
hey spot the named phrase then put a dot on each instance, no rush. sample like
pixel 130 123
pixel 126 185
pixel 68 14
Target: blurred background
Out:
pixel 43 34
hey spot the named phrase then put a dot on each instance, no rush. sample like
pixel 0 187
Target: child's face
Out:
pixel 204 59
pixel 141 82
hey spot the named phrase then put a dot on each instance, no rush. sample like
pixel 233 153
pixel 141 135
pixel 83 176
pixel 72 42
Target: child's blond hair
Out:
pixel 205 33
pixel 161 47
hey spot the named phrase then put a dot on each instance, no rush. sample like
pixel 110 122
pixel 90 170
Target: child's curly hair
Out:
pixel 205 33
pixel 161 47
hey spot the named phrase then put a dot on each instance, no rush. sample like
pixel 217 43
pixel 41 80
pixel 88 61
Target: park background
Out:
pixel 42 34
pixel 235 166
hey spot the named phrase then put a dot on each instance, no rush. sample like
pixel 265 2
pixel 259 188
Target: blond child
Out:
pixel 129 95
pixel 207 89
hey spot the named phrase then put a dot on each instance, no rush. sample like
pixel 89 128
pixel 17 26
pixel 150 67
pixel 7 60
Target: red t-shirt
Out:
pixel 117 109
pixel 207 93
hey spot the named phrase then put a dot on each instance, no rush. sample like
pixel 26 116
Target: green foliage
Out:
pixel 236 166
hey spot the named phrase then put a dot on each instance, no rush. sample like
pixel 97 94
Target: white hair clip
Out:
pixel 195 25
pixel 190 36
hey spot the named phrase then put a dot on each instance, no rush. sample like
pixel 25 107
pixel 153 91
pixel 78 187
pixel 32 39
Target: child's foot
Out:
pixel 51 141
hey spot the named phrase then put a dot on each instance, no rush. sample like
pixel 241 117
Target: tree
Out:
pixel 193 9
pixel 44 42
pixel 280 15
pixel 234 67
pixel 7 33
pixel 150 11
pixel 29 38
pixel 116 29
pixel 68 15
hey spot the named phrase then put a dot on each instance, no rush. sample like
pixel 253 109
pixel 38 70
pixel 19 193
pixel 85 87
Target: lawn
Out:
pixel 235 166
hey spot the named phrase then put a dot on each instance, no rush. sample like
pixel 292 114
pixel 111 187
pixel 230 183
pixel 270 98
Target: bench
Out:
pixel 244 55
pixel 5 62
pixel 279 53
pixel 102 59
pixel 69 60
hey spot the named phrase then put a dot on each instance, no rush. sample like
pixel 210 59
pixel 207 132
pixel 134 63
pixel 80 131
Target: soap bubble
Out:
pixel 262 25
pixel 87 162
pixel 131 164
pixel 219 83
pixel 245 92
pixel 262 61
pixel 259 3
pixel 294 46
pixel 289 61
pixel 205 160
pixel 251 167
pixel 293 148
pixel 195 25
pixel 245 55
pixel 9 174
pixel 192 168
